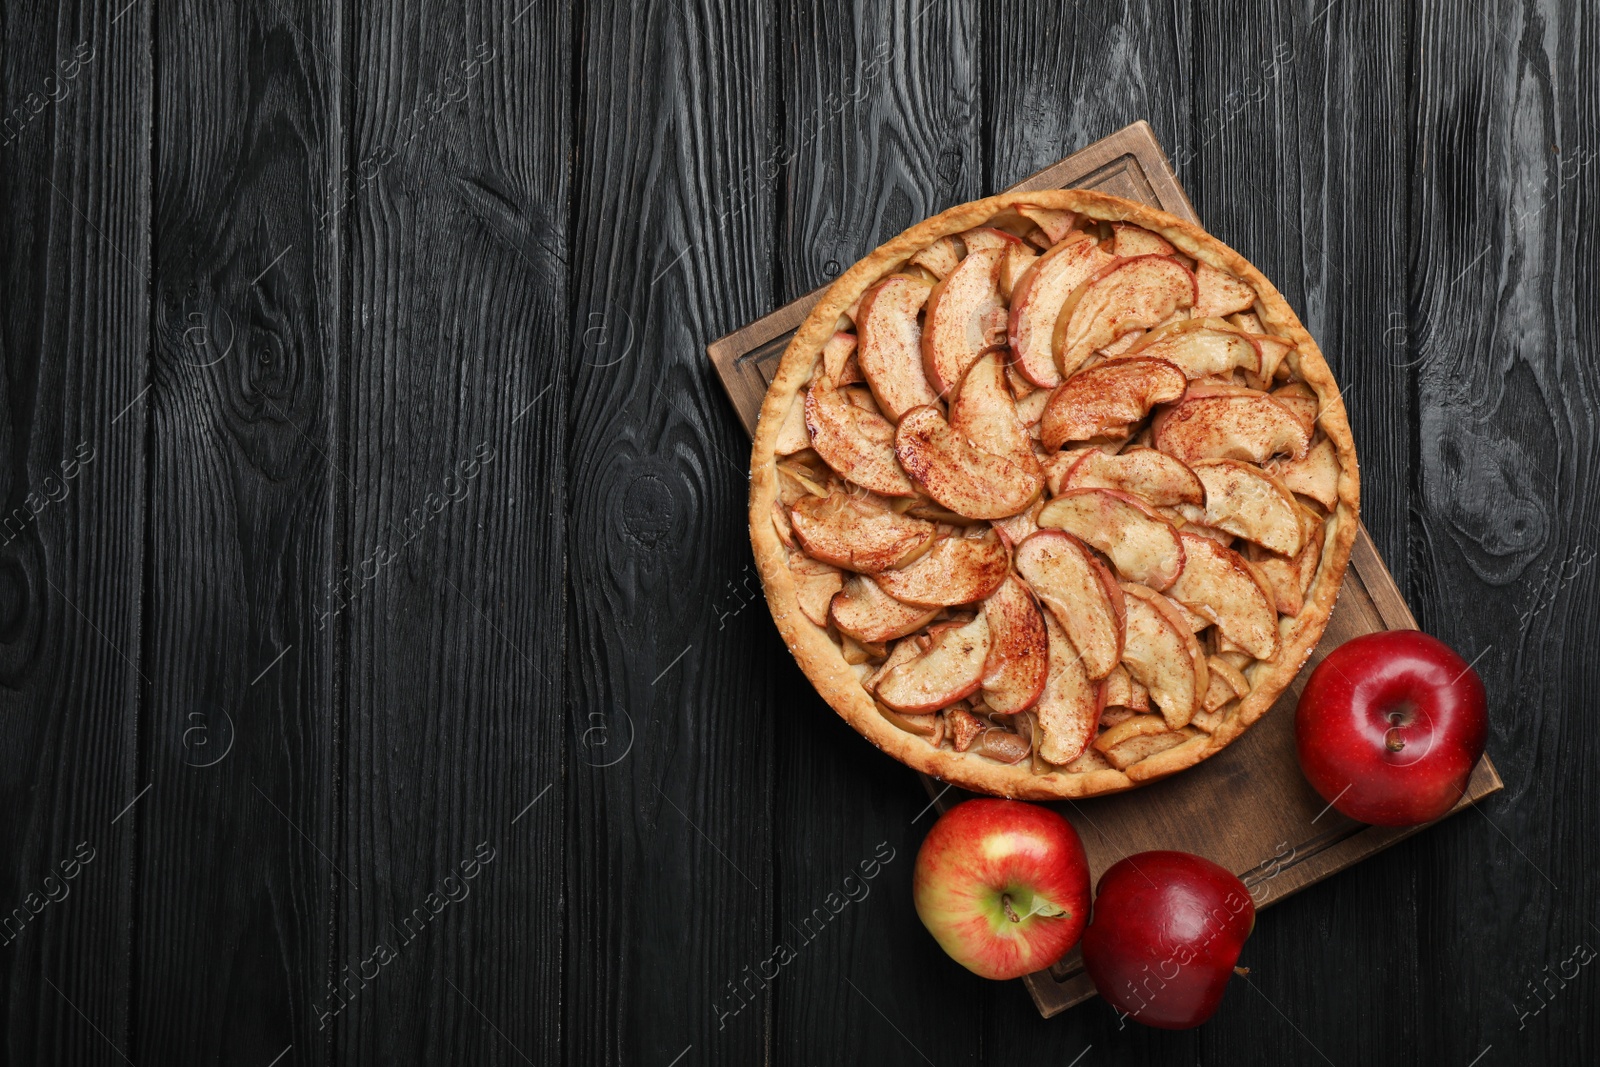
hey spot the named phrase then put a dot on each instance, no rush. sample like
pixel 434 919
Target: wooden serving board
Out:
pixel 1248 808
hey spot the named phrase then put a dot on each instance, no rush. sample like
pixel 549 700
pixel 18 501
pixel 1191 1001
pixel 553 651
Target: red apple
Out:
pixel 1167 931
pixel 1390 726
pixel 1003 886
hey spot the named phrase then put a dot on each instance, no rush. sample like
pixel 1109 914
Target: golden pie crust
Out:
pixel 821 657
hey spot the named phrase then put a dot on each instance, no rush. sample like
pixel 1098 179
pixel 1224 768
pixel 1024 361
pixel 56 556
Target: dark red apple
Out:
pixel 1167 930
pixel 1003 886
pixel 1390 726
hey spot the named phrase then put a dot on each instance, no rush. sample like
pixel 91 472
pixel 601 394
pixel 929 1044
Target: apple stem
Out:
pixel 1005 902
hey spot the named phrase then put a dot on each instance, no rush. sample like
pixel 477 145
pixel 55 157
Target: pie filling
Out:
pixel 1055 489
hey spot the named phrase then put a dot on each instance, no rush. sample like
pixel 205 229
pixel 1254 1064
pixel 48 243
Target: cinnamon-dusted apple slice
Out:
pixel 836 353
pixel 984 413
pixel 792 436
pixel 1301 399
pixel 985 238
pixel 1201 348
pixel 1055 224
pixel 950 669
pixel 890 347
pixel 956 570
pixel 856 442
pixel 1018 261
pixel 939 258
pixel 959 475
pixel 858 534
pixel 1142 545
pixel 1128 240
pixel 1104 401
pixel 961 309
pixel 1080 592
pixel 1068 710
pixel 1219 585
pixel 1249 503
pixel 1316 474
pixel 1152 476
pixel 1291 578
pixel 1240 424
pixel 1130 294
pixel 1014 673
pixel 1036 302
pixel 1017 528
pixel 1274 350
pixel 864 611
pixel 1163 655
pixel 1220 293
pixel 815 584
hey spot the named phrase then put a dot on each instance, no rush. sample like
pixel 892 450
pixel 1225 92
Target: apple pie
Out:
pixel 1052 495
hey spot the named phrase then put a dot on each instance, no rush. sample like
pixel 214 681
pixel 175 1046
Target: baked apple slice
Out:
pixel 865 612
pixel 956 570
pixel 856 442
pixel 1274 350
pixel 1163 656
pixel 1152 476
pixel 1068 710
pixel 792 436
pixel 856 533
pixel 1202 348
pixel 836 353
pixel 957 474
pixel 987 238
pixel 1130 294
pixel 950 669
pixel 1019 659
pixel 1302 400
pixel 1249 503
pixel 1223 588
pixel 1238 424
pixel 1105 401
pixel 1036 302
pixel 890 347
pixel 1220 293
pixel 1291 578
pixel 939 258
pixel 1316 474
pixel 962 308
pixel 984 412
pixel 1056 224
pixel 1128 240
pixel 1142 545
pixel 815 584
pixel 1080 592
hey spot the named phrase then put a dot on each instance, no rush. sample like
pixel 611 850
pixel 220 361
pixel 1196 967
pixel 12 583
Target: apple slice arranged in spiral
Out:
pixel 1249 503
pixel 950 669
pixel 1219 293
pixel 865 612
pixel 1316 474
pixel 1237 423
pixel 1128 240
pixel 1221 586
pixel 855 442
pixel 1019 658
pixel 1068 710
pixel 962 477
pixel 890 347
pixel 962 309
pixel 1291 578
pixel 1130 294
pixel 1080 592
pixel 985 413
pixel 1105 401
pixel 1142 545
pixel 1036 302
pixel 1055 223
pixel 1163 656
pixel 1152 476
pixel 956 570
pixel 1202 348
pixel 858 534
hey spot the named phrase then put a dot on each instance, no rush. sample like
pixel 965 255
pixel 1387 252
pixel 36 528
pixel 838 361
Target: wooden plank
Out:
pixel 453 816
pixel 1507 517
pixel 236 893
pixel 76 179
pixel 882 113
pixel 669 868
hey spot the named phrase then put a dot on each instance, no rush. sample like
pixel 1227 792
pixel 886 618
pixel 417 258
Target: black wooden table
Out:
pixel 383 675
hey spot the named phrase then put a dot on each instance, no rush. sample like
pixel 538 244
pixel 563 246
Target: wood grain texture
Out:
pixel 1503 310
pixel 241 720
pixel 74 249
pixel 882 129
pixel 449 942
pixel 669 868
